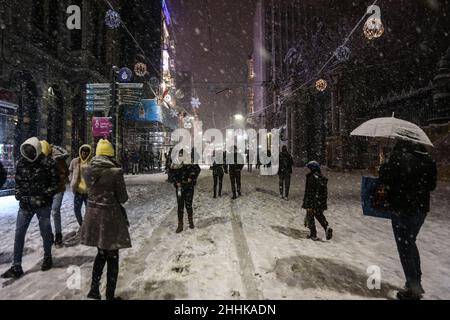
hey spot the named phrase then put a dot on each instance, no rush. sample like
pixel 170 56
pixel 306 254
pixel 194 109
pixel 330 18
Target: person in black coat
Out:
pixel 315 201
pixel 284 172
pixel 184 177
pixel 37 181
pixel 409 177
pixel 234 169
pixel 218 173
pixel 3 175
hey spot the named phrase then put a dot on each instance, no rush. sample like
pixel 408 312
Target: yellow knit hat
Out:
pixel 104 148
pixel 46 147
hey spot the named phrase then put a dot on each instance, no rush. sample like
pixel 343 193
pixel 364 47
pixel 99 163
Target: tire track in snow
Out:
pixel 246 264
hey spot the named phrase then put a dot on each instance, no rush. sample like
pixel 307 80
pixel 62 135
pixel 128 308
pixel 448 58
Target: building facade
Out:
pixel 399 71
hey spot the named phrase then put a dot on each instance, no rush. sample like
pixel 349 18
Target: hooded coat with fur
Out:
pixel 36 179
pixel 105 225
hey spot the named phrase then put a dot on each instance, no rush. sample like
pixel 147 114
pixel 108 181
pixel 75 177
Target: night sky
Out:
pixel 214 51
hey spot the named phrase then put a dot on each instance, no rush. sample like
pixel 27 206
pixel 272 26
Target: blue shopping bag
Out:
pixel 369 187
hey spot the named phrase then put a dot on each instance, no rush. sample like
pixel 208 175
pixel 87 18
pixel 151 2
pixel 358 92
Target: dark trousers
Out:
pixel 406 228
pixel 310 223
pixel 218 181
pixel 185 200
pixel 23 221
pixel 285 184
pixel 78 200
pixel 235 179
pixel 111 258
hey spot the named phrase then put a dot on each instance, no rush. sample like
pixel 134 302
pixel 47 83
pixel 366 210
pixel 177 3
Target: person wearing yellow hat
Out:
pixel 77 182
pixel 106 224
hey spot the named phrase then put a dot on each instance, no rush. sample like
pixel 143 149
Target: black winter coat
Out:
pixel 3 175
pixel 316 192
pixel 286 163
pixel 182 173
pixel 217 169
pixel 36 182
pixel 409 176
pixel 237 166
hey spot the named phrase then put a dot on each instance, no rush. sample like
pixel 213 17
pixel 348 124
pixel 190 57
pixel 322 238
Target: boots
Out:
pixel 58 240
pixel 191 221
pixel 112 274
pixel 47 264
pixel 97 272
pixel 180 226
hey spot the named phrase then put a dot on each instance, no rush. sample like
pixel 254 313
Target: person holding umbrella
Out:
pixel 408 178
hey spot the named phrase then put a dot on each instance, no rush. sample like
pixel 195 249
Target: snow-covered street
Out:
pixel 251 248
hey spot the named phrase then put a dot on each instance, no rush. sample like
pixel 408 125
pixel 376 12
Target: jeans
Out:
pixel 24 218
pixel 235 179
pixel 406 227
pixel 313 214
pixel 285 183
pixel 56 211
pixel 78 200
pixel 218 181
pixel 185 200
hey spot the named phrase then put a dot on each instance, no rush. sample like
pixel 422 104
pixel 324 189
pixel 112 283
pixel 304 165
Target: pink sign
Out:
pixel 101 127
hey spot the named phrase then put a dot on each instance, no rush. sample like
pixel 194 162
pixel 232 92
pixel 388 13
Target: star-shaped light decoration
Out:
pixel 195 103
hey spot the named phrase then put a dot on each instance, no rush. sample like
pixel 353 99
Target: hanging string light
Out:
pixel 112 19
pixel 140 69
pixel 373 28
pixel 321 85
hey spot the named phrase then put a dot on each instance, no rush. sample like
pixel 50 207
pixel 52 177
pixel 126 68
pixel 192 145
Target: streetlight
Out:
pixel 239 117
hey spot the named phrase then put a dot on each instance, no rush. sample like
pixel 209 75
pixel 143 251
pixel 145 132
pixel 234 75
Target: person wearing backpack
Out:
pixel 315 201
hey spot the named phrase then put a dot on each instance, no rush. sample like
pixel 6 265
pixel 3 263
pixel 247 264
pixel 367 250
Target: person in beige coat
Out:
pixel 105 225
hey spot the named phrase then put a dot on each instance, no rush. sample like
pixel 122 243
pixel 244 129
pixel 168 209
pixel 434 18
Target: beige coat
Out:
pixel 105 225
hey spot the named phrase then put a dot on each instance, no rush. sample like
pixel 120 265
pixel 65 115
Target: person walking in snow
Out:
pixel 218 173
pixel 285 172
pixel 3 175
pixel 184 177
pixel 36 185
pixel 315 201
pixel 409 177
pixel 234 165
pixel 106 224
pixel 135 162
pixel 77 183
pixel 60 156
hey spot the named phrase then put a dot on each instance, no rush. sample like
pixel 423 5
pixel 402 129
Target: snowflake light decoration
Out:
pixel 342 53
pixel 195 103
pixel 140 69
pixel 112 19
pixel 321 85
pixel 174 113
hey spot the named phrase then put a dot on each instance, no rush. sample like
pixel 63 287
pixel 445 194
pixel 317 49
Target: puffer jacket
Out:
pixel 105 225
pixel 185 174
pixel 36 181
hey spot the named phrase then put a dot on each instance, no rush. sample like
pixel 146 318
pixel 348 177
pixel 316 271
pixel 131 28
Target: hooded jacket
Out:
pixel 316 191
pixel 60 156
pixel 105 225
pixel 3 175
pixel 409 176
pixel 36 177
pixel 77 166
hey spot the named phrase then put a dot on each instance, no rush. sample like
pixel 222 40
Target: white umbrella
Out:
pixel 392 128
